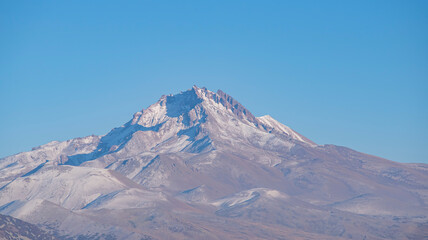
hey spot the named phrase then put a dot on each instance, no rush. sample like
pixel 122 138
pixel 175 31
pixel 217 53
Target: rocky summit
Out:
pixel 199 165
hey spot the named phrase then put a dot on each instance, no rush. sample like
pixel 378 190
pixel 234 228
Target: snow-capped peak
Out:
pixel 198 105
pixel 193 121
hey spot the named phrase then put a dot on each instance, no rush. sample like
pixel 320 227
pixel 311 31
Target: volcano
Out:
pixel 199 165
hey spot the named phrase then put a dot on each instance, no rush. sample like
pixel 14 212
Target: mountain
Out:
pixel 12 228
pixel 199 165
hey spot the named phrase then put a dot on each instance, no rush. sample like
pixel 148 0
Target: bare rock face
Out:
pixel 199 165
pixel 229 103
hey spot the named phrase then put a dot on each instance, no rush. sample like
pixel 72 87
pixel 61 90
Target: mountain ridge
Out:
pixel 194 161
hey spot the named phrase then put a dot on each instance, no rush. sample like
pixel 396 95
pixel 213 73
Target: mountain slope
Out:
pixel 12 228
pixel 198 161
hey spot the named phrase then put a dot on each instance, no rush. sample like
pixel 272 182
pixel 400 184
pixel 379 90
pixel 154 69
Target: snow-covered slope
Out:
pixel 197 162
pixel 273 125
pixel 70 187
pixel 22 163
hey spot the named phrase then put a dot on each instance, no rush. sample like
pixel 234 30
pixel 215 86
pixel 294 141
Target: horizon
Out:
pixel 353 74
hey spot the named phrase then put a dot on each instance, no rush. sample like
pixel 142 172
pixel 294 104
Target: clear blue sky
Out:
pixel 350 73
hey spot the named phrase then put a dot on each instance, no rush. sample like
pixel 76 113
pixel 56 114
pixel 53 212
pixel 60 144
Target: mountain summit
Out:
pixel 199 165
pixel 193 121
